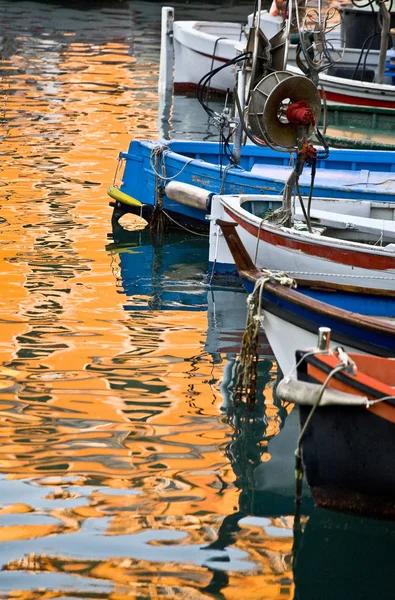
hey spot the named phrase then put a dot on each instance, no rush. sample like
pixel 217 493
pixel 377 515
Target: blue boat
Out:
pixel 361 320
pixel 152 169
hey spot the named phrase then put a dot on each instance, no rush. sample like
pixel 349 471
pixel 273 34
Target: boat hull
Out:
pixel 303 255
pixel 346 173
pixel 290 326
pixel 349 459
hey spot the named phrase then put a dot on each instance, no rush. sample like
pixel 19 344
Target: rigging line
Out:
pixel 162 177
pixel 316 274
pixel 183 227
pixel 369 182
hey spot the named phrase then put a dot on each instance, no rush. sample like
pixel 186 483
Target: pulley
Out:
pixel 268 103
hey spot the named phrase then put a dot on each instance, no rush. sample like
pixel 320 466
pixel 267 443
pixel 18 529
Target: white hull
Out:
pixel 304 255
pixel 286 338
pixel 200 46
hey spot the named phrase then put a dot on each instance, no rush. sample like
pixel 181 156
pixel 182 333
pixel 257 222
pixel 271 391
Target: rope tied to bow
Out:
pixel 159 168
pixel 246 376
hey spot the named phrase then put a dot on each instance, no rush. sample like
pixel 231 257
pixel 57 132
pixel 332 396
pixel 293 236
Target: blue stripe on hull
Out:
pixel 225 269
pixel 351 334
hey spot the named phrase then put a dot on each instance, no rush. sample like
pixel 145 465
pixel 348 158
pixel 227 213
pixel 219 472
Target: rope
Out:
pixel 369 182
pixel 183 227
pixel 159 153
pixel 118 168
pixel 246 372
pixel 298 453
pixel 383 399
pixel 224 173
pixel 378 277
pixel 157 161
pixel 215 254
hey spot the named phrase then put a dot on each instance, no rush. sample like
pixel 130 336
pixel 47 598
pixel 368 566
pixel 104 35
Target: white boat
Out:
pixel 208 45
pixel 347 243
pixel 205 45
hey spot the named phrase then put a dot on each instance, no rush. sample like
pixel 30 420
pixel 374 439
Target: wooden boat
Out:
pixel 292 316
pixel 345 173
pixel 366 128
pixel 349 243
pixel 209 44
pixel 348 446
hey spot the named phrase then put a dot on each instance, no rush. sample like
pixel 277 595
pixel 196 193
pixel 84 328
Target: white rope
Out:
pixel 316 274
pixel 215 253
pixel 162 151
pixel 383 399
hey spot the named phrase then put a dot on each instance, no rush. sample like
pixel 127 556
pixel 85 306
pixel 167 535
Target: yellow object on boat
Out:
pixel 119 196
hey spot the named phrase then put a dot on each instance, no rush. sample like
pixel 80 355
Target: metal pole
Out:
pixel 165 80
pixel 240 91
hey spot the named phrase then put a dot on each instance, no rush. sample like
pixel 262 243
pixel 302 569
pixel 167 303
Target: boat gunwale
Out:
pixel 299 236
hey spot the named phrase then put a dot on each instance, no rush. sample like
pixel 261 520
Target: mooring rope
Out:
pixel 157 158
pixel 246 376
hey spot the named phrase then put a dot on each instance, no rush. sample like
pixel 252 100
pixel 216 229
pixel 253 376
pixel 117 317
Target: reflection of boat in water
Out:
pixel 171 274
pixel 168 274
pixel 351 557
pixel 267 483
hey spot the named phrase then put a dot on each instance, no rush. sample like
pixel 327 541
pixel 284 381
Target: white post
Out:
pixel 240 91
pixel 165 83
pixel 165 80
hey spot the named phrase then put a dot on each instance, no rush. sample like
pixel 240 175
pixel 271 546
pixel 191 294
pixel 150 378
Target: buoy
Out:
pixel 188 194
pixel 116 194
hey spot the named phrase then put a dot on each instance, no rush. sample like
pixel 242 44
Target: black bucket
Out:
pixel 359 24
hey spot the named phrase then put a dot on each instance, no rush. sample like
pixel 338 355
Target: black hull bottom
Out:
pixel 171 220
pixel 349 460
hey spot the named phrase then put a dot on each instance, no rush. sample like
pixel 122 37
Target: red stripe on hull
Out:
pixel 351 258
pixel 357 100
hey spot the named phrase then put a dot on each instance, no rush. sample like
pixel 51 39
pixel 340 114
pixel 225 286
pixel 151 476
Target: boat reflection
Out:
pixel 172 273
pixel 348 555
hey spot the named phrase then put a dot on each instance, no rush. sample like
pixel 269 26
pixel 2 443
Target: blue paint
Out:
pixel 165 276
pixel 262 171
pixel 365 304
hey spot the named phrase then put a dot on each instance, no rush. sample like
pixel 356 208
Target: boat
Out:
pixel 362 320
pixel 359 127
pixel 150 171
pixel 211 44
pixel 347 417
pixel 349 241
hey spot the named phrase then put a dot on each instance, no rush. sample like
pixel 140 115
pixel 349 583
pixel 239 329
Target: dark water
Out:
pixel 125 469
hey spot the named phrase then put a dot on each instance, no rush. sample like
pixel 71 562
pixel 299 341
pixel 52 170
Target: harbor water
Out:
pixel 126 470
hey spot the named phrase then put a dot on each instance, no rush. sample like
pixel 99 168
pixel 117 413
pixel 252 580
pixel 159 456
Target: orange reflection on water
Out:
pixel 110 420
